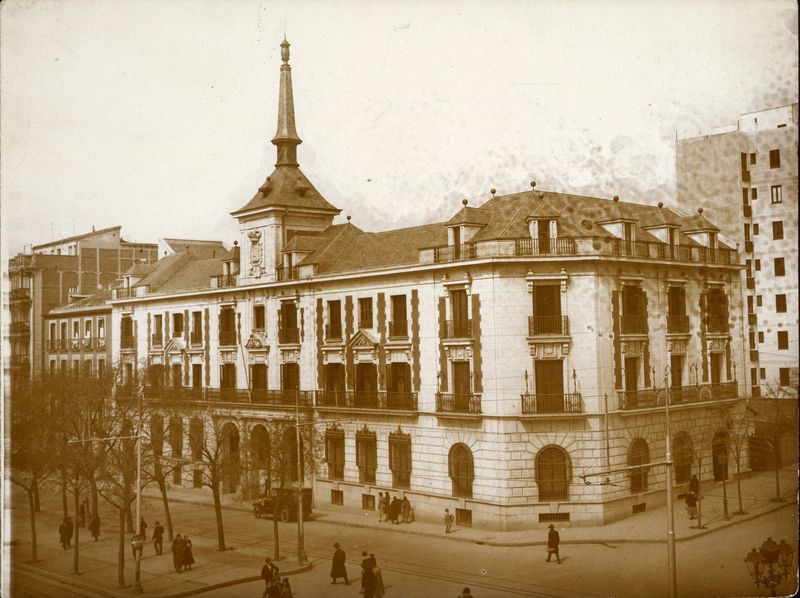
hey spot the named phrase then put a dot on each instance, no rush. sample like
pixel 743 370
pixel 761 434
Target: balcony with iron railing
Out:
pixel 717 323
pixel 86 343
pixel 543 404
pixel 548 325
pixel 458 403
pixel 453 253
pixel 678 395
pixel 225 280
pixel 633 324
pixel 353 399
pixel 557 246
pixel 678 324
pixel 398 329
pixel 288 335
pixel 100 342
pixel 458 329
pixel 285 273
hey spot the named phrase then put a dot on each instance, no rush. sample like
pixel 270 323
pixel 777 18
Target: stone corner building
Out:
pixel 481 364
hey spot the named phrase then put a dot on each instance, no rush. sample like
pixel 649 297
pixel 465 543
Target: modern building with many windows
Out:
pixel 482 364
pixel 748 172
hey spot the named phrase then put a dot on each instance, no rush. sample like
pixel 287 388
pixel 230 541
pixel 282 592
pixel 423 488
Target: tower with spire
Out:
pixel 286 203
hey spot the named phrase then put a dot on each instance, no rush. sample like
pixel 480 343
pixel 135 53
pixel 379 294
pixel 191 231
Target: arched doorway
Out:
pixel 552 474
pixel 260 458
pixel 230 457
pixel 719 452
pixel 462 470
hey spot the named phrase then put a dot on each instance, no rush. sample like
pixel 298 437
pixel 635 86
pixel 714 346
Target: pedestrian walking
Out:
pixel 70 529
pixel 94 527
pixel 338 568
pixel 188 557
pixel 466 593
pixel 381 507
pixel 405 509
pixel 177 553
pixel 268 573
pixel 691 505
pixel 286 589
pixel 553 539
pixel 379 590
pixel 448 521
pixel 143 528
pixel 694 486
pixel 134 550
pixel 63 535
pixel 394 510
pixel 82 514
pixel 274 589
pixel 368 564
pixel 158 538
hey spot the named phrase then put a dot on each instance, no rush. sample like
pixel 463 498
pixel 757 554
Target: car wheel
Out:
pixel 284 515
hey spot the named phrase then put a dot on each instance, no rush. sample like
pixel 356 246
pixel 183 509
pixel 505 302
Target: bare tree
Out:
pixel 32 443
pixel 775 414
pixel 162 466
pixel 737 423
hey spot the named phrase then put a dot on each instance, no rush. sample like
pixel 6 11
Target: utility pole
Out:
pixel 301 553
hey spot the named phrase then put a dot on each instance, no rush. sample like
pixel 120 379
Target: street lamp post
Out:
pixel 770 564
pixel 723 462
pixel 137 576
pixel 301 553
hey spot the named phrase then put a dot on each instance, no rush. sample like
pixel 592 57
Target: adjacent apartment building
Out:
pixel 481 364
pixel 748 173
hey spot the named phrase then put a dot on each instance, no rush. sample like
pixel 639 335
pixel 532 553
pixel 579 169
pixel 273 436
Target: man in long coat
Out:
pixel 368 564
pixel 337 565
pixel 177 552
pixel 553 540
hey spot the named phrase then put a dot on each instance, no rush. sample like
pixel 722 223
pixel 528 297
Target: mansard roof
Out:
pixel 287 187
pixel 94 302
pixel 183 271
pixel 474 216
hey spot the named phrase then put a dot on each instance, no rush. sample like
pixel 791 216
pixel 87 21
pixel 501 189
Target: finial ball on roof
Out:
pixel 660 204
pixel 465 201
pixel 616 198
pixel 533 184
pixel 348 218
pixel 699 210
pixel 493 190
pixel 235 243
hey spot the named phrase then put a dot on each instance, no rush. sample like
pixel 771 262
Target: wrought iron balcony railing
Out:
pixel 288 335
pixel 558 246
pixel 633 324
pixel 227 336
pixel 533 404
pixel 678 324
pixel 458 403
pixel 717 323
pixel 678 395
pixel 127 341
pixel 285 273
pixel 353 399
pixel 455 329
pixel 548 325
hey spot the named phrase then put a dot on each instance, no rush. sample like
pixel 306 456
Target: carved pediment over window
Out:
pixel 257 342
pixel 677 346
pixel 633 348
pixel 717 345
pixel 227 357
pixel 363 339
pixel 175 345
pixel 544 350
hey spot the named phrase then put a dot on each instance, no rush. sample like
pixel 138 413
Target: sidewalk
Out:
pixel 216 569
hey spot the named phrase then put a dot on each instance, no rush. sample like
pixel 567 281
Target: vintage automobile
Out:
pixel 283 501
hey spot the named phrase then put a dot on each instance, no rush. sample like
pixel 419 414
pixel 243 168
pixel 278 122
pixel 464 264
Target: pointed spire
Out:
pixel 286 138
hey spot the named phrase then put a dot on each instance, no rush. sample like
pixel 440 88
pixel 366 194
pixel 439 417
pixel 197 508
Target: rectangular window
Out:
pixel 777 230
pixel 258 317
pixel 366 456
pixel 87 329
pixel 287 323
pixel 368 502
pixel 758 265
pixel 334 330
pixel 101 328
pixel 780 304
pixel 258 376
pixel 76 329
pixel 398 327
pixel 760 336
pixel 752 339
pixel 783 340
pixel 762 372
pixel 755 230
pixel 227 326
pixel 126 332
pixel 400 460
pixel 101 368
pixel 196 337
pixel 197 375
pixel 157 338
pixel 780 267
pixel 365 312
pixel 759 300
pixel 290 377
pixel 177 375
pixel 752 158
pixel 775 158
pixel 461 326
pixel 227 376
pixel 177 325
pixel 754 193
pixel 750 304
pixel 754 376
pixel 746 232
pixel 334 454
pixel 337 497
pixel 776 192
pixel 784 377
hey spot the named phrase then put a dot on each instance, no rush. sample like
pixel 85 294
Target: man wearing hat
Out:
pixel 552 544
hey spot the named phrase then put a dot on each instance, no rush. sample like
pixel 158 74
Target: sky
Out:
pixel 157 115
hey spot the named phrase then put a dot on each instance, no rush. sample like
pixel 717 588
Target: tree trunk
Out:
pixel 76 549
pixel 32 505
pixel 36 505
pixel 739 484
pixel 129 520
pixel 95 498
pixel 276 538
pixel 121 549
pixel 218 514
pixel 64 503
pixel 162 486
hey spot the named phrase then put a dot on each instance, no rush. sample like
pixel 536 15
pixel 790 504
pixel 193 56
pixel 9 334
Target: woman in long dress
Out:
pixel 188 557
pixel 177 552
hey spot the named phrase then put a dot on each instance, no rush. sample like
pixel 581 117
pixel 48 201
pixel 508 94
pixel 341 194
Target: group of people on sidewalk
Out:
pixel 371 577
pixel 391 509
pixel 182 557
pixel 67 527
pixel 275 586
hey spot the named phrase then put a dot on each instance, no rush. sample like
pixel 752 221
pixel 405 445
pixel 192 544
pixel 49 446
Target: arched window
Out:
pixel 639 455
pixel 259 447
pixel 719 452
pixel 682 458
pixel 461 469
pixel 553 473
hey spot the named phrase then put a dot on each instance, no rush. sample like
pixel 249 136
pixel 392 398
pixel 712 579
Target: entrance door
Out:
pixel 366 385
pixel 549 385
pixel 462 386
pixel 631 380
